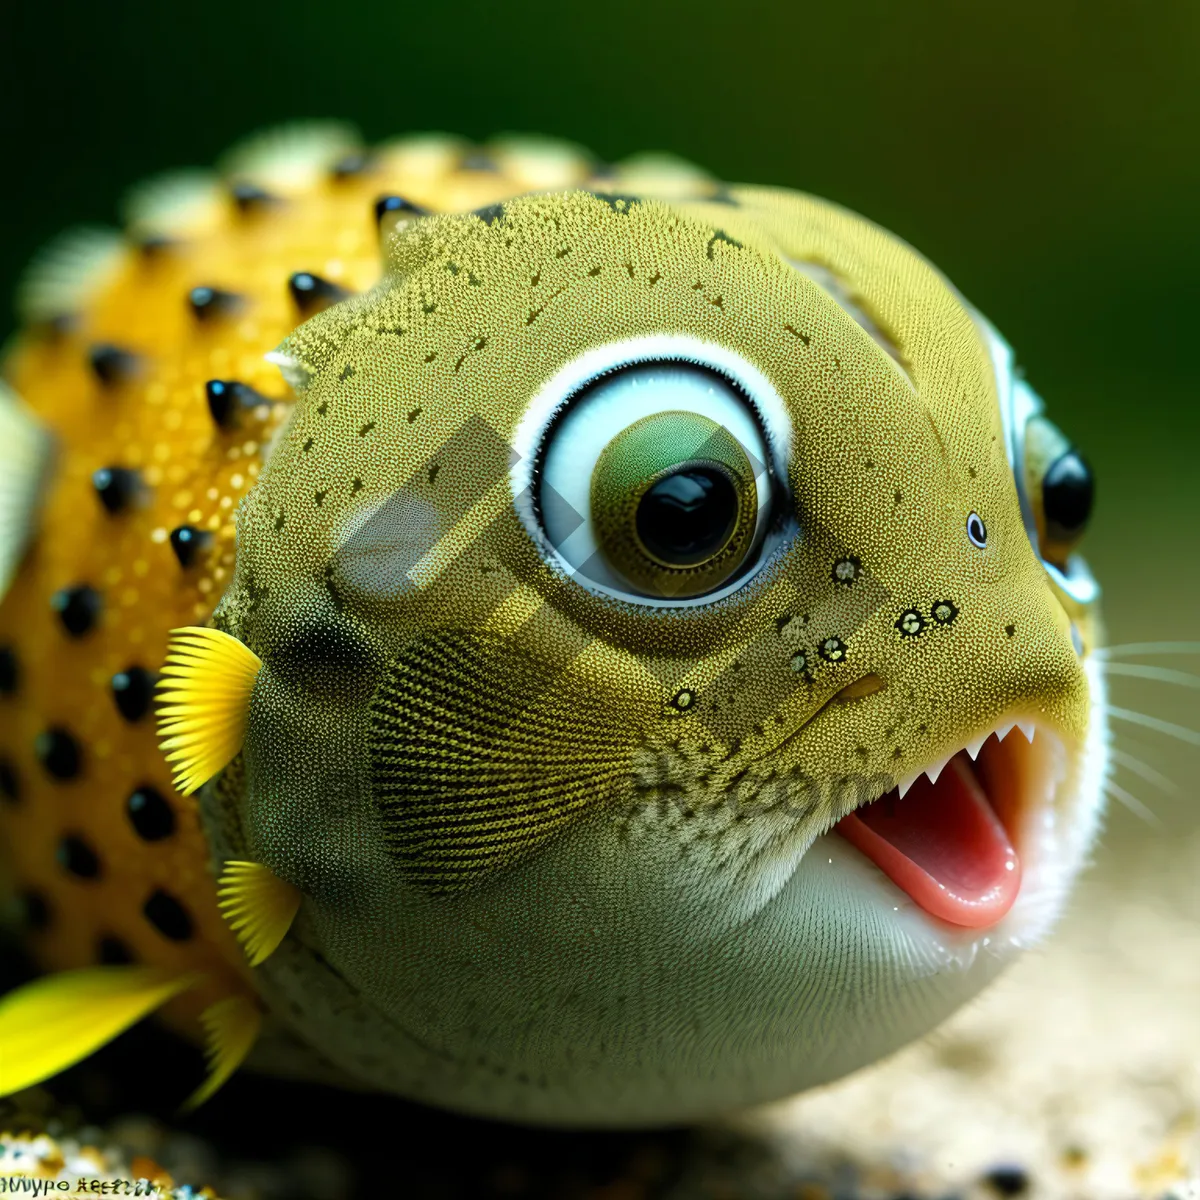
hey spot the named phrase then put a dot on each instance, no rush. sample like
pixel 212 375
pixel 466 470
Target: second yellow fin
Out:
pixel 231 1028
pixel 258 905
pixel 204 703
pixel 54 1022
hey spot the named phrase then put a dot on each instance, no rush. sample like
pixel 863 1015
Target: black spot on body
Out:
pixel 112 365
pixel 351 165
pixel 78 608
pixel 1010 630
pixel 345 373
pixel 397 206
pixel 168 916
pixel 250 198
pixel 187 541
pixel 77 858
pixel 312 294
pixel 116 488
pixel 112 952
pixel 154 246
pixel 10 784
pixel 133 692
pixel 58 752
pixel 151 816
pixel 35 911
pixel 9 672
pixel 210 303
pixel 230 402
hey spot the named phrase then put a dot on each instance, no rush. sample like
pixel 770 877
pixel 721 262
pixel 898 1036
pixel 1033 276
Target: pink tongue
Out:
pixel 944 845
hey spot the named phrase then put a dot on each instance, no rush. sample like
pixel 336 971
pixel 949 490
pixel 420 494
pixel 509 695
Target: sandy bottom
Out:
pixel 1078 1073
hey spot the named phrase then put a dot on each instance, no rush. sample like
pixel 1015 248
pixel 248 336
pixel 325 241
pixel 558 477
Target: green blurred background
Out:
pixel 1042 153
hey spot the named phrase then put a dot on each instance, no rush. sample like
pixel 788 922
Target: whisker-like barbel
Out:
pixel 1135 649
pixel 1181 732
pixel 1132 803
pixel 1159 674
pixel 1144 771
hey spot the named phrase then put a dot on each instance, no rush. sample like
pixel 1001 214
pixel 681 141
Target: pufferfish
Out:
pixel 618 639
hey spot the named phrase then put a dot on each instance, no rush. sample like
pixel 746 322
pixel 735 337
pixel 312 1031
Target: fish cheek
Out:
pixel 480 752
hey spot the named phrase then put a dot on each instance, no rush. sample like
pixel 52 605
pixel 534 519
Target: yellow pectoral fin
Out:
pixel 204 703
pixel 230 1028
pixel 258 905
pixel 52 1023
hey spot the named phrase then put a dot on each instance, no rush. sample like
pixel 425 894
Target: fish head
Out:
pixel 652 596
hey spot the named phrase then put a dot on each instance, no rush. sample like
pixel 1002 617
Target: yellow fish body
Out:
pixel 631 655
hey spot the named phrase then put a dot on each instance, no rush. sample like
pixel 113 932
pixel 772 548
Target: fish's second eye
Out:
pixel 1067 492
pixel 1060 487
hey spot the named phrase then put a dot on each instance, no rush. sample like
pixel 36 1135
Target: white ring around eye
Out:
pixel 750 408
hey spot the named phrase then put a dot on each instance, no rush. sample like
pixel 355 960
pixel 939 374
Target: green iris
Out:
pixel 674 504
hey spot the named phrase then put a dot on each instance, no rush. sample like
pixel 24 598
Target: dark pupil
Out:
pixel 686 517
pixel 1067 493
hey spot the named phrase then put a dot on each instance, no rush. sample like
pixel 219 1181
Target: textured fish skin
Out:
pixel 264 382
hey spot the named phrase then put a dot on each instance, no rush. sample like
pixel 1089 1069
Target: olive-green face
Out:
pixel 661 535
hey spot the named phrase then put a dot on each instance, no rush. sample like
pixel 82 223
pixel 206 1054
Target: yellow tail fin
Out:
pixel 54 1022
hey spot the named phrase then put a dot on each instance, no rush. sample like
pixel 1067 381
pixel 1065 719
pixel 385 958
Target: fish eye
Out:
pixel 977 530
pixel 1068 490
pixel 656 481
pixel 1061 489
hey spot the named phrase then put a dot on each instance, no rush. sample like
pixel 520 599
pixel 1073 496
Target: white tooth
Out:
pixel 905 784
pixel 1002 731
pixel 973 748
pixel 933 772
pixel 1027 728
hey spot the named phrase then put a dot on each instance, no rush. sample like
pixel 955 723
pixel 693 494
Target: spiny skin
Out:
pixel 193 473
pixel 552 843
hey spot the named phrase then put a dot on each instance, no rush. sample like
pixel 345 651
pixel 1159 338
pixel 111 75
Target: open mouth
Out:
pixel 952 837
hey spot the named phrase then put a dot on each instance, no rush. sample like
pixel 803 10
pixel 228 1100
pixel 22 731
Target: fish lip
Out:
pixel 1055 833
pixel 1037 740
